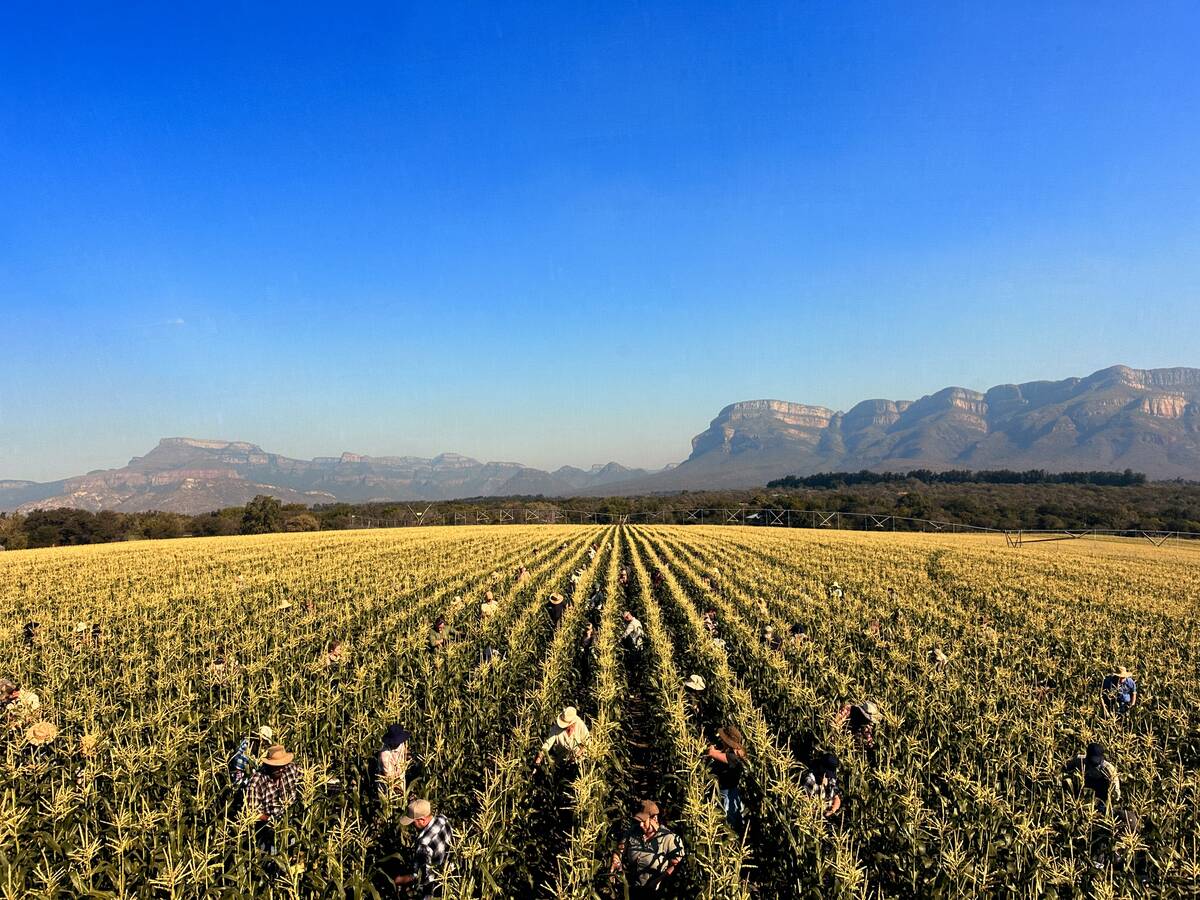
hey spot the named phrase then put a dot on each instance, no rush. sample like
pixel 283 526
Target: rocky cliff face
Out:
pixel 1144 419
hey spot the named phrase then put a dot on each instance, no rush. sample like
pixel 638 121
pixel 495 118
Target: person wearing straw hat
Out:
pixel 728 757
pixel 557 606
pixel 860 720
pixel 19 706
pixel 275 784
pixel 390 764
pixel 1118 692
pixel 569 735
pixel 648 853
pixel 431 855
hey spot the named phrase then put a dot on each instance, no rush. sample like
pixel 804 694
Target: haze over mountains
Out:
pixel 1143 419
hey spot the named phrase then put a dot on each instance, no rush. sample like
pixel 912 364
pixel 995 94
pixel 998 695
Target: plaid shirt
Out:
pixel 645 860
pixel 433 849
pixel 272 796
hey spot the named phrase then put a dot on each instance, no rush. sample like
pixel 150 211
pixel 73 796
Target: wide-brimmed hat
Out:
pixel 81 627
pixel 557 599
pixel 731 736
pixel 277 756
pixel 266 732
pixel 646 810
pixel 1123 672
pixel 417 809
pixel 568 717
pixel 395 736
pixel 694 682
pixel 871 708
pixel 41 733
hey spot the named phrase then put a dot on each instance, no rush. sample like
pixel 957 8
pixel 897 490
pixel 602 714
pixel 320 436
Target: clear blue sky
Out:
pixel 558 235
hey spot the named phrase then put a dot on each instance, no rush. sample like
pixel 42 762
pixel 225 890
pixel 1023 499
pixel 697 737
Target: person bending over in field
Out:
pixel 799 634
pixel 19 706
pixel 728 757
pixel 820 783
pixel 334 656
pixel 710 621
pixel 431 856
pixel 1090 771
pixel 30 632
pixel 570 736
pixel 649 853
pixel 243 763
pixel 634 636
pixel 390 765
pixel 860 719
pixel 273 788
pixel 1118 692
pixel 693 698
pixel 557 606
pixel 522 575
pixel 771 639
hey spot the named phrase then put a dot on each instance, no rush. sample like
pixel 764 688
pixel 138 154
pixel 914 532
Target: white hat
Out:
pixel 694 682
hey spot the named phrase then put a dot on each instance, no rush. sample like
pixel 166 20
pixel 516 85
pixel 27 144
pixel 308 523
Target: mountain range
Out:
pixel 1143 419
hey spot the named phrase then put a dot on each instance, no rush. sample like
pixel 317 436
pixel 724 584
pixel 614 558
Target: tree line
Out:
pixel 1051 504
pixel 960 476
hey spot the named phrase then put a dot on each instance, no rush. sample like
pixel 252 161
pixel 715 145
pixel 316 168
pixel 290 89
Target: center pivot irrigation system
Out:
pixel 545 514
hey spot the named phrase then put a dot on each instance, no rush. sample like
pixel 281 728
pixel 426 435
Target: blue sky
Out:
pixel 555 235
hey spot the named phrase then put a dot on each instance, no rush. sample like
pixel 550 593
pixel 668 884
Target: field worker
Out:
pixel 1091 771
pixel 835 591
pixel 488 608
pixel 20 707
pixel 81 634
pixel 728 757
pixel 245 759
pixel 390 764
pixel 799 634
pixel 596 601
pixel 222 668
pixel 438 635
pixel 693 697
pixel 938 659
pixel 710 621
pixel 522 575
pixel 860 720
pixel 633 637
pixel 570 735
pixel 771 639
pixel 657 577
pixel 649 852
pixel 432 851
pixel 1118 692
pixel 821 783
pixel 30 632
pixel 623 575
pixel 587 649
pixel 591 553
pixel 557 606
pixel 96 632
pixel 334 656
pixel 273 787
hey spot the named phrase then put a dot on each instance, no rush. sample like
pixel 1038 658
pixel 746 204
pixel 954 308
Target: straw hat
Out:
pixel 556 599
pixel 647 810
pixel 871 708
pixel 277 756
pixel 417 809
pixel 80 627
pixel 568 717
pixel 694 682
pixel 266 733
pixel 41 733
pixel 731 736
pixel 284 604
pixel 1123 672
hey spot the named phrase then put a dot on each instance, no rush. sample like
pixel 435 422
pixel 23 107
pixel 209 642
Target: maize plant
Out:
pixel 153 660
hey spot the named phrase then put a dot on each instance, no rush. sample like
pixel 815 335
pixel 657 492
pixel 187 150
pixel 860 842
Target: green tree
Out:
pixel 303 522
pixel 263 515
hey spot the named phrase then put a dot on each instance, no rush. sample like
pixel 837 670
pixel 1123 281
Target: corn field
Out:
pixel 960 795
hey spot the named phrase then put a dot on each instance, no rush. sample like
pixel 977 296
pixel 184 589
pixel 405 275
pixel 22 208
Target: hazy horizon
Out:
pixel 563 236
